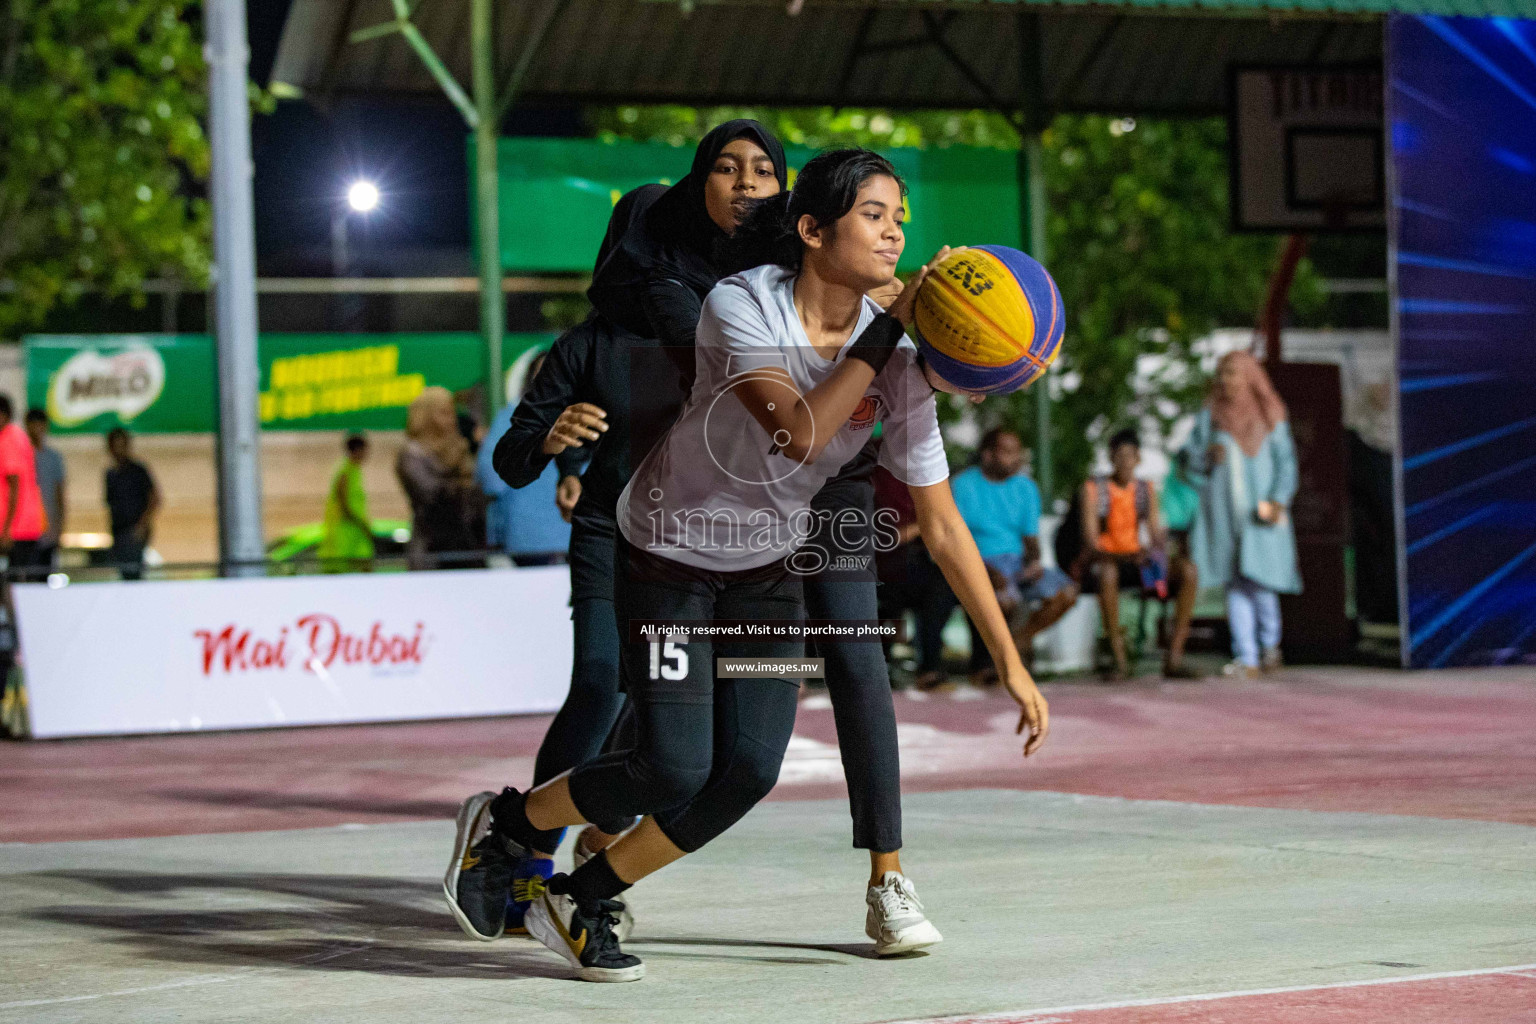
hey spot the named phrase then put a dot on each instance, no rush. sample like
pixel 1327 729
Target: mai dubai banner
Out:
pixel 166 383
pixel 171 656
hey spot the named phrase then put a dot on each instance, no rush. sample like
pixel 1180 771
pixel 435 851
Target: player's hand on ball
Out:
pixel 906 303
pixel 1034 714
pixel 577 425
pixel 886 293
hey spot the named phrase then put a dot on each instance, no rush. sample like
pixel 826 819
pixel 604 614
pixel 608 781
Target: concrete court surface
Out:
pixel 1222 858
pixel 1048 900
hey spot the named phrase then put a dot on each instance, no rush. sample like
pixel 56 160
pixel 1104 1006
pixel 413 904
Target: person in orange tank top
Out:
pixel 1114 510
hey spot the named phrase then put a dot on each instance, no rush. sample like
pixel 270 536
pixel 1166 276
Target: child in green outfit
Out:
pixel 347 544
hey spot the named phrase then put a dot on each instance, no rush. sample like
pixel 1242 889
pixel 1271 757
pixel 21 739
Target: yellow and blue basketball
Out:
pixel 989 319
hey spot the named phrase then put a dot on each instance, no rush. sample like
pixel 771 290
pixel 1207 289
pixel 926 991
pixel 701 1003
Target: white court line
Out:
pixel 20 1004
pixel 1030 1016
pixel 186 983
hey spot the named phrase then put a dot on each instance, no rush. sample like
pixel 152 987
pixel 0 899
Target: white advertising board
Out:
pixel 116 658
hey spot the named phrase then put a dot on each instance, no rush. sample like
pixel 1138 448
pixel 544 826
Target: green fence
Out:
pixel 165 383
pixel 557 194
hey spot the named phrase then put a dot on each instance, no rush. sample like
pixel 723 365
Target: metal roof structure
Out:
pixel 1136 57
pixel 1026 58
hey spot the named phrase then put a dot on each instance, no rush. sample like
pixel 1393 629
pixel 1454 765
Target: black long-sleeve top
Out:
pixel 627 376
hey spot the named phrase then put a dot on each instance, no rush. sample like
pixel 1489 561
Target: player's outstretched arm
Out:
pixel 949 542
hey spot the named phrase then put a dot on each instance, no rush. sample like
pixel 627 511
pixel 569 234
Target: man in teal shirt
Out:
pixel 1001 505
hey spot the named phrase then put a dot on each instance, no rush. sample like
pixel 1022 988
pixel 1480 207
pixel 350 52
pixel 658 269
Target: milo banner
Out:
pixel 556 195
pixel 166 383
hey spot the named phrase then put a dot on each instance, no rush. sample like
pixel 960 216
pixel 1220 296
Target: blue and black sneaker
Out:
pixel 528 880
pixel 479 878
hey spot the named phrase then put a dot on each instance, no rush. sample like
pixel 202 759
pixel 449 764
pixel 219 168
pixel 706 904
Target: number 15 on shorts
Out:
pixel 669 660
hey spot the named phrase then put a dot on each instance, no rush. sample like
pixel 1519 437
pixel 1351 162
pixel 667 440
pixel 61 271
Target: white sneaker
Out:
pixel 895 919
pixel 621 931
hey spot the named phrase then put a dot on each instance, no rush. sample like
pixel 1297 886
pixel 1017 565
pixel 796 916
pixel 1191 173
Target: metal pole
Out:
pixel 1032 213
pixel 338 243
pixel 241 547
pixel 492 302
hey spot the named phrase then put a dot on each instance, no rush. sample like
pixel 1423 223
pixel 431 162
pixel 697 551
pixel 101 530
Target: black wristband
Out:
pixel 878 342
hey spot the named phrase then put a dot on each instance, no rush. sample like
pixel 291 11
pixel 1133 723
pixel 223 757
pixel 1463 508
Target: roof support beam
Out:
pixel 530 50
pixel 936 31
pixel 1096 50
pixel 439 71
pixel 378 31
pixel 892 45
pixel 338 43
pixel 857 50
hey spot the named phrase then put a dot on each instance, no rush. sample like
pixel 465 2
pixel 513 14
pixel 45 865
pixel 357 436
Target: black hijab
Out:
pixel 674 236
pixel 630 206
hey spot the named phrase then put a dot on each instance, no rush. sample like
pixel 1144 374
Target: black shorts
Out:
pixel 1128 570
pixel 706 747
pixel 593 540
pixel 656 588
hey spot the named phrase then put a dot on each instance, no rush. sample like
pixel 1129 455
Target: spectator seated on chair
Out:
pixel 1001 505
pixel 1112 512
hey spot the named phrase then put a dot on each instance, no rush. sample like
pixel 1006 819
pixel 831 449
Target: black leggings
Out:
pixel 860 687
pixel 594 701
pixel 857 682
pixel 706 748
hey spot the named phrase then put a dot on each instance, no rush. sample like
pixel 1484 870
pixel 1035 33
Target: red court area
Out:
pixel 1496 997
pixel 1443 744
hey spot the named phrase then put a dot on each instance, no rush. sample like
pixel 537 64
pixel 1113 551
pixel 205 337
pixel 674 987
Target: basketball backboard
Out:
pixel 1307 149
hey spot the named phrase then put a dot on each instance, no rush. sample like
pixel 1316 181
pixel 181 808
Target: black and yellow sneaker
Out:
pixel 626 926
pixel 582 932
pixel 479 878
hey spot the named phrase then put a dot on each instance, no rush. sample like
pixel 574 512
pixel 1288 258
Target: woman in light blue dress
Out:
pixel 1242 459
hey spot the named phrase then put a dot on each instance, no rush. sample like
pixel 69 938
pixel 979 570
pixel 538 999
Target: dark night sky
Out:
pixel 413 147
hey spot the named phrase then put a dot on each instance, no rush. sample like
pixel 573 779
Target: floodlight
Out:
pixel 363 196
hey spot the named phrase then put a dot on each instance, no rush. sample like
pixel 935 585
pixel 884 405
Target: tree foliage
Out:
pixel 100 139
pixel 1139 240
pixel 1137 235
